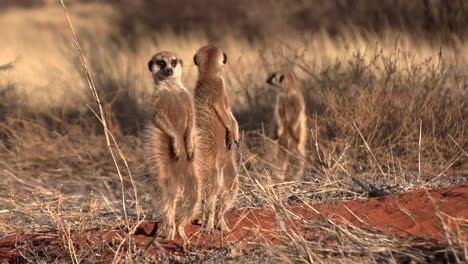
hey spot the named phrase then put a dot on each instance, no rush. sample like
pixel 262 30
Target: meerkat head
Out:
pixel 210 59
pixel 165 65
pixel 280 79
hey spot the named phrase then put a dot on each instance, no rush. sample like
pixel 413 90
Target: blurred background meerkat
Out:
pixel 291 126
pixel 170 145
pixel 218 132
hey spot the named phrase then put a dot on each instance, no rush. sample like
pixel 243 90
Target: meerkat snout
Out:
pixel 169 71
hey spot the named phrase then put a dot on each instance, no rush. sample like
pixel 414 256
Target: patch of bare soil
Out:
pixel 423 214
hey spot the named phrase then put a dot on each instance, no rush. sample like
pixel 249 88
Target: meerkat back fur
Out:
pixel 170 143
pixel 291 130
pixel 218 133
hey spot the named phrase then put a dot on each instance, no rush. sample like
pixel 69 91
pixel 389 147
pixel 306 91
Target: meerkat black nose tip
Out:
pixel 169 72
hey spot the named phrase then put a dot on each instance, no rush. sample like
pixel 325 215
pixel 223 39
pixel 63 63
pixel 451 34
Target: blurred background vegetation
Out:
pixel 437 20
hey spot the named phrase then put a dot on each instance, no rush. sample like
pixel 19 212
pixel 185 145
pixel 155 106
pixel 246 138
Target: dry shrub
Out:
pixel 389 108
pixel 440 20
pixel 405 110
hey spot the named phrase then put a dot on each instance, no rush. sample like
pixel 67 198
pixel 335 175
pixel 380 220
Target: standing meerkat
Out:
pixel 291 125
pixel 217 132
pixel 170 145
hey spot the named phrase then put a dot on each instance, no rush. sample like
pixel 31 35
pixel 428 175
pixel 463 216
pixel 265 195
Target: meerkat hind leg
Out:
pixel 228 197
pixel 296 166
pixel 211 196
pixel 170 216
pixel 282 159
pixel 299 169
pixel 168 202
pixel 191 198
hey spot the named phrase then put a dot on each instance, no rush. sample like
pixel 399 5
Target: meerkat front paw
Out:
pixel 174 152
pixel 175 155
pixel 279 132
pixel 237 140
pixel 228 139
pixel 190 150
pixel 190 155
pixel 293 135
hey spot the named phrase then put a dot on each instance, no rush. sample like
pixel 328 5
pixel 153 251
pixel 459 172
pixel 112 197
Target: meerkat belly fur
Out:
pixel 218 133
pixel 170 142
pixel 291 125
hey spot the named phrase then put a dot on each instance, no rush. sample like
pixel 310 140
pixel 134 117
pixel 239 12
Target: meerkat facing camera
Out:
pixel 291 130
pixel 217 133
pixel 170 144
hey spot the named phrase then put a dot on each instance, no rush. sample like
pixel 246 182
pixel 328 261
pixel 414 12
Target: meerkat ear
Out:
pixel 150 65
pixel 225 58
pixel 195 59
pixel 181 62
pixel 281 78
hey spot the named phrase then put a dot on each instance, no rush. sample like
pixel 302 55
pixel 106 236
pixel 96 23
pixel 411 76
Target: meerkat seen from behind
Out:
pixel 291 125
pixel 218 132
pixel 170 144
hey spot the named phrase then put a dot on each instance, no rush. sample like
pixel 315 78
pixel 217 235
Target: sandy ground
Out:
pixel 421 214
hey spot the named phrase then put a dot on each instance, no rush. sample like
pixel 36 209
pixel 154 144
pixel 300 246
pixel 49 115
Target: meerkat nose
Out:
pixel 169 71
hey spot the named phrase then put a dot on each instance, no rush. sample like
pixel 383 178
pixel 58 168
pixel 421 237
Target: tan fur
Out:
pixel 291 125
pixel 170 144
pixel 218 132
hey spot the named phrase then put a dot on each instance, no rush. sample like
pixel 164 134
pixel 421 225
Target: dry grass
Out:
pixel 387 114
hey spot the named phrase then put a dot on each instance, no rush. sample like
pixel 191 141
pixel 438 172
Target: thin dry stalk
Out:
pixel 368 148
pixel 104 123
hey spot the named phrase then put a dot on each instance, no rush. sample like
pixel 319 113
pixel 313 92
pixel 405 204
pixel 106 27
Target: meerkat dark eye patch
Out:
pixel 225 58
pixel 281 78
pixel 150 65
pixel 271 78
pixel 161 63
pixel 173 63
pixel 195 59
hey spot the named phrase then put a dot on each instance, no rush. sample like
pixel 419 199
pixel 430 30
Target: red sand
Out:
pixel 417 213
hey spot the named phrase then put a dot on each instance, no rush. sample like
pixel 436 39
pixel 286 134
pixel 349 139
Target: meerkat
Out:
pixel 217 133
pixel 291 129
pixel 170 142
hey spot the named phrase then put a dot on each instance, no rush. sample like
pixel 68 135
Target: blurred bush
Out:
pixel 257 20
